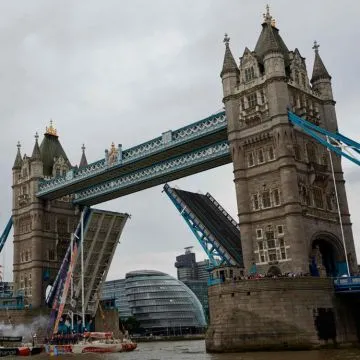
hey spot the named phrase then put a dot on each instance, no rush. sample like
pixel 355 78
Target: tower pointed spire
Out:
pixel 319 69
pixel 229 65
pixel 270 39
pixel 83 161
pixel 36 155
pixel 18 160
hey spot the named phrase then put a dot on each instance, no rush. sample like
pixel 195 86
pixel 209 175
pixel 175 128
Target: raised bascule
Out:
pixel 277 128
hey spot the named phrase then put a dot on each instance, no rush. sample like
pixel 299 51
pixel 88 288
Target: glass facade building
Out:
pixel 163 304
pixel 115 290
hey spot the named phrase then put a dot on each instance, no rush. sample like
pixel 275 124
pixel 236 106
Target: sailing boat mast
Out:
pixel 82 271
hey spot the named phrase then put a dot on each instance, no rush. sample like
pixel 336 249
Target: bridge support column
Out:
pixel 279 314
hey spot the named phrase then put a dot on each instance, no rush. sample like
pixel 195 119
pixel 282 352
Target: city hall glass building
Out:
pixel 162 304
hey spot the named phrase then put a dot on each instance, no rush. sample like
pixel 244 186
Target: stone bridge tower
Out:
pixel 285 193
pixel 41 229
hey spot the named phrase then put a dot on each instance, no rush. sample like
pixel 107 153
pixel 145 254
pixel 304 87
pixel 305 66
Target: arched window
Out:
pixel 311 152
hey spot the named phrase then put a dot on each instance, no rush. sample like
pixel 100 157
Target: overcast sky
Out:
pixel 127 71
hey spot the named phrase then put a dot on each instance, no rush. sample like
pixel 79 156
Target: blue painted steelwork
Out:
pixel 212 282
pixel 5 233
pixel 349 284
pixel 169 139
pixel 321 134
pixel 215 251
pixel 159 171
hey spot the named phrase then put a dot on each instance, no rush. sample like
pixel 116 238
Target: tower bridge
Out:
pixel 291 215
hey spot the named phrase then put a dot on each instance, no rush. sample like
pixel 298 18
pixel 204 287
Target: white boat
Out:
pixel 93 342
pixel 102 342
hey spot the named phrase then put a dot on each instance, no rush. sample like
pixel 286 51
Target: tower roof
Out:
pixel 18 160
pixel 319 69
pixel 270 39
pixel 229 65
pixel 36 155
pixel 50 148
pixel 83 161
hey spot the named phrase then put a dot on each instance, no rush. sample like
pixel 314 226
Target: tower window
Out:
pixel 280 230
pixel 249 74
pixel 318 198
pixel 271 153
pixel 252 100
pixel 272 255
pixel 260 156
pixel 311 152
pixel 255 200
pixel 329 202
pixel 242 102
pixel 262 95
pixel 250 159
pixel 276 197
pixel 266 202
pixel 297 152
pixel 259 233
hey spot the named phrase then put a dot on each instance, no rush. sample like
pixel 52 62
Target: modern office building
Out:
pixel 189 269
pixel 115 290
pixel 162 304
pixel 195 276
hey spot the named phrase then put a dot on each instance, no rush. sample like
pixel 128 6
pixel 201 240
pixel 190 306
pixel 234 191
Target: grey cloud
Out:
pixel 127 71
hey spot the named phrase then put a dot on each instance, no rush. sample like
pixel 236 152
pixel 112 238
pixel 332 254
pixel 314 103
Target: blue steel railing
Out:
pixel 5 233
pixel 347 284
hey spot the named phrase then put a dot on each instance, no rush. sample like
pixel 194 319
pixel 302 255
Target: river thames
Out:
pixel 195 350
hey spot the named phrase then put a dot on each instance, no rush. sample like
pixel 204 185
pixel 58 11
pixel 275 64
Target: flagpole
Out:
pixel 82 271
pixel 72 281
pixel 338 208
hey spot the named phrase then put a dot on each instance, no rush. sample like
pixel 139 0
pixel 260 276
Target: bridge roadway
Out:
pixel 194 146
pixel 214 223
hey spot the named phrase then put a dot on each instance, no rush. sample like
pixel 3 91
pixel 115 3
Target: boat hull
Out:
pixel 90 348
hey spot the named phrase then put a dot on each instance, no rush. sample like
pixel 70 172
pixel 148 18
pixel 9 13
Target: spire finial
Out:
pixel 51 129
pixel 226 39
pixel 316 46
pixel 18 145
pixel 83 148
pixel 268 19
pixel 36 136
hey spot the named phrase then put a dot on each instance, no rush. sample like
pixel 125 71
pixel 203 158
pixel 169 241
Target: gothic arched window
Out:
pixel 311 152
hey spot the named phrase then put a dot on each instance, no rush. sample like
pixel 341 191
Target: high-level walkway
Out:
pixel 188 150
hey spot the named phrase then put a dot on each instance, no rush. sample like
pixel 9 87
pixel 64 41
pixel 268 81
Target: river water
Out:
pixel 195 350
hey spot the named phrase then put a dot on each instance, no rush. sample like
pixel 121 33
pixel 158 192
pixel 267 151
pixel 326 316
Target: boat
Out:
pixel 21 350
pixel 102 342
pixel 92 342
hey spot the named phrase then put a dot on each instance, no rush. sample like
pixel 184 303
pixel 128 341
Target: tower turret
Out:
pixel 321 80
pixel 273 57
pixel 230 72
pixel 18 159
pixel 271 51
pixel 36 170
pixel 83 161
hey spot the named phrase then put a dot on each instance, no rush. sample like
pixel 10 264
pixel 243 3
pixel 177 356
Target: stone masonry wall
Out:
pixel 283 313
